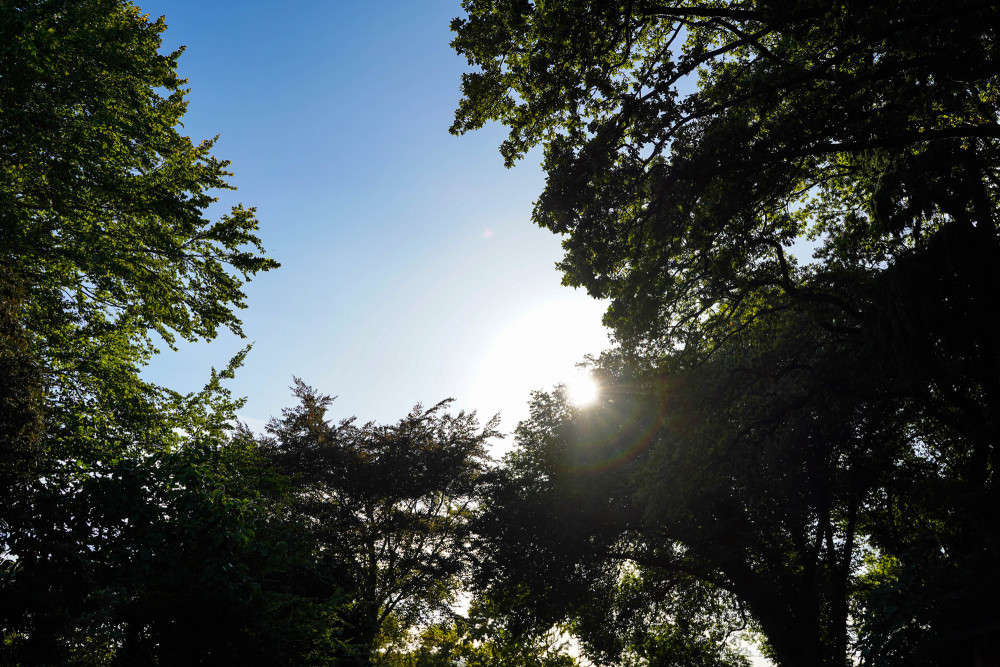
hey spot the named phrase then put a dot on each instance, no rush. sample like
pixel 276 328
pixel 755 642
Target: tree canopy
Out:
pixel 389 502
pixel 103 202
pixel 792 208
pixel 866 127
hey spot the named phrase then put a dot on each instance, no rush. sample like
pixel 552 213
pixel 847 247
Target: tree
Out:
pixel 872 131
pixel 673 203
pixel 721 488
pixel 479 640
pixel 391 503
pixel 758 473
pixel 175 549
pixel 121 532
pixel 641 619
pixel 103 202
pixel 20 399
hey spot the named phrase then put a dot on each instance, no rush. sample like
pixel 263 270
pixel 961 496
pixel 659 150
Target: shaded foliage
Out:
pixel 477 640
pixel 170 549
pixel 389 502
pixel 21 398
pixel 825 431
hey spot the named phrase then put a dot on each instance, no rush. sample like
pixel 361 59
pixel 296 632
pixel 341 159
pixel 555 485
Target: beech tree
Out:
pixel 691 150
pixel 389 502
pixel 121 527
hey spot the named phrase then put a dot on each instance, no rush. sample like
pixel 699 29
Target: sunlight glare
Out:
pixel 582 390
pixel 539 350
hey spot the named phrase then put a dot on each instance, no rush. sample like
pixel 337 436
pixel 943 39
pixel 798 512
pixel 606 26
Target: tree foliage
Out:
pixel 820 432
pixel 163 547
pixel 871 130
pixel 477 640
pixel 389 502
pixel 569 536
pixel 21 397
pixel 103 202
pixel 866 126
pixel 134 526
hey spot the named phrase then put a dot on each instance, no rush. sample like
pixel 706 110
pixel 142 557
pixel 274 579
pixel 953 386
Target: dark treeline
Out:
pixel 796 441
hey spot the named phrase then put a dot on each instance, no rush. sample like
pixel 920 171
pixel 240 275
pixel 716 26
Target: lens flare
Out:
pixel 624 436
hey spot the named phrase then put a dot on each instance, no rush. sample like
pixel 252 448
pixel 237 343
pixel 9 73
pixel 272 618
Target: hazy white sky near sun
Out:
pixel 411 269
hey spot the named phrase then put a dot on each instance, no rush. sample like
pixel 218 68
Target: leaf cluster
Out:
pixel 104 201
pixel 390 503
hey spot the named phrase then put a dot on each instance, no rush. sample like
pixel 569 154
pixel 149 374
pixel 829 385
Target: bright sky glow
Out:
pixel 411 270
pixel 536 350
pixel 582 390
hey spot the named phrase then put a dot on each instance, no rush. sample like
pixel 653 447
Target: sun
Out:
pixel 582 390
pixel 539 350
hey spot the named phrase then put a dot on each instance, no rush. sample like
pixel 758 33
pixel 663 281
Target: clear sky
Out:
pixel 411 269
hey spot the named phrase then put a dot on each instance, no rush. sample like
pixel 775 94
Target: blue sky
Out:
pixel 411 269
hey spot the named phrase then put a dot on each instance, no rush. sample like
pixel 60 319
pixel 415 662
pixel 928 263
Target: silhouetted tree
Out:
pixel 691 149
pixel 390 502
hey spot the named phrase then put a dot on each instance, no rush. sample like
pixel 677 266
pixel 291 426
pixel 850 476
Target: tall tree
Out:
pixel 874 130
pixel 390 502
pixel 103 201
pixel 120 523
pixel 691 148
pixel 737 476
